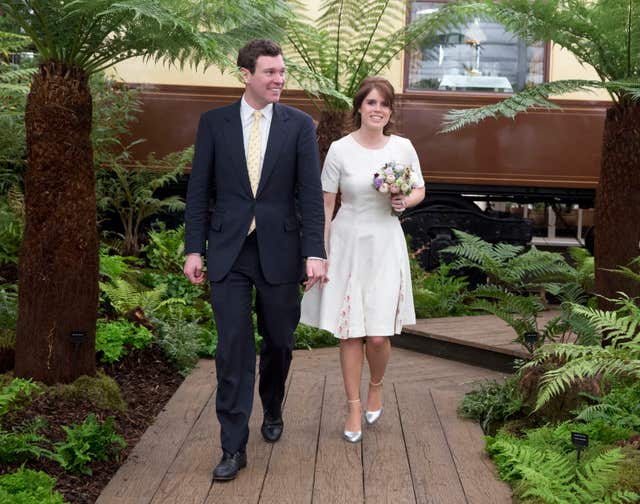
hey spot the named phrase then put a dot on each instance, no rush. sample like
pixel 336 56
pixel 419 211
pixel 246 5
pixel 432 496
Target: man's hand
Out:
pixel 316 272
pixel 193 268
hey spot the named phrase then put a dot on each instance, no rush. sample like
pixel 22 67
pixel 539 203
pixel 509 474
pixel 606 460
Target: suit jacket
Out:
pixel 288 205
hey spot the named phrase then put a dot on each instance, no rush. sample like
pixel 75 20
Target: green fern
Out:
pixel 125 296
pixel 554 477
pixel 620 358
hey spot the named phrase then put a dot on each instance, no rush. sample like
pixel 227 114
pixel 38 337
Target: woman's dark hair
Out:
pixel 249 54
pixel 384 87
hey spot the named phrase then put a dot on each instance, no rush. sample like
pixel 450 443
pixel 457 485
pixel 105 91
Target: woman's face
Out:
pixel 374 111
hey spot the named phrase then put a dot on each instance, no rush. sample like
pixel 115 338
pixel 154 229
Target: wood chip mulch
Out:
pixel 147 381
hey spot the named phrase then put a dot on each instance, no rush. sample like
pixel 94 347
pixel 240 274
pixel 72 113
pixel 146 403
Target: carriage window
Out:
pixel 482 57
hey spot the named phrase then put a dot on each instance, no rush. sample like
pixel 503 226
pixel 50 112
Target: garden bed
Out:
pixel 147 381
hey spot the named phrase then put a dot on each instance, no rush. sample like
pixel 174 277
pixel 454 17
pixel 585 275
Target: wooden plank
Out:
pixel 387 477
pixel 291 468
pixel 434 474
pixel 465 439
pixel 138 479
pixel 245 489
pixel 338 476
pixel 189 478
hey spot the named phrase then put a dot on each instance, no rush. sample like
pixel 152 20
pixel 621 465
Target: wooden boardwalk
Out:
pixel 419 452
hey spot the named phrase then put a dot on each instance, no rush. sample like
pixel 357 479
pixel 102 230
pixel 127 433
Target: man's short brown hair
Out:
pixel 249 54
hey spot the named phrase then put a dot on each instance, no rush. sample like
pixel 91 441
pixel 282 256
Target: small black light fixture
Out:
pixel 530 340
pixel 78 338
pixel 580 441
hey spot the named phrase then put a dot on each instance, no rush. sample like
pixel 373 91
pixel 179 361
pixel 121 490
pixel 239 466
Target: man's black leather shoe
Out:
pixel 227 469
pixel 272 428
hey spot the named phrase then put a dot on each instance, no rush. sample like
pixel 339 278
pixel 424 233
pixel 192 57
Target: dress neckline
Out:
pixel 353 139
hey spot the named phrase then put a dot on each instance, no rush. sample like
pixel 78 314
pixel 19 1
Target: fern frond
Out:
pixel 537 96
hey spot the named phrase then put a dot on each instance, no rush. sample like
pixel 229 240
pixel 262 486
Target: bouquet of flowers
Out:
pixel 394 178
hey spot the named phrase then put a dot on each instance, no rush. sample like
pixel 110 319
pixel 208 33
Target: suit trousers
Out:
pixel 278 312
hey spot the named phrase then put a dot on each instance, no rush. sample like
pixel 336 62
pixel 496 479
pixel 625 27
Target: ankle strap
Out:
pixel 376 384
pixel 351 401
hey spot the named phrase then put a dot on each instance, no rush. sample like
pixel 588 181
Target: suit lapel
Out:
pixel 277 137
pixel 235 141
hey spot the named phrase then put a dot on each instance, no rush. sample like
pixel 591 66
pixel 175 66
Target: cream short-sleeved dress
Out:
pixel 369 290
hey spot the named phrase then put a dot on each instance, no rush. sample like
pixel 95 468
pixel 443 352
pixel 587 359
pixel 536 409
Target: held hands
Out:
pixel 399 203
pixel 193 268
pixel 316 272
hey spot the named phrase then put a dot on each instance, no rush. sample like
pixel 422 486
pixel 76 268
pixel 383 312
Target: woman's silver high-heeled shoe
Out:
pixel 372 417
pixel 352 436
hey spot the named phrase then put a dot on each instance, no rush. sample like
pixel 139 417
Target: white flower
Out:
pixel 384 188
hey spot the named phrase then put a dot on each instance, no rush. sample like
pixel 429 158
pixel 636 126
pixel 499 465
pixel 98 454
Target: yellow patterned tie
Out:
pixel 254 153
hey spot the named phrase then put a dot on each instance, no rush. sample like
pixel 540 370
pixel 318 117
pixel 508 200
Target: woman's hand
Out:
pixel 399 203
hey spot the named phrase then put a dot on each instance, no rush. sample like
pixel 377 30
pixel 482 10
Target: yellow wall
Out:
pixel 564 65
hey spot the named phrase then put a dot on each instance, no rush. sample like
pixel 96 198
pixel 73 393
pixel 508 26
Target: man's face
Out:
pixel 265 84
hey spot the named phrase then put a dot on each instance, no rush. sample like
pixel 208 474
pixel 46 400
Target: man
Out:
pixel 255 199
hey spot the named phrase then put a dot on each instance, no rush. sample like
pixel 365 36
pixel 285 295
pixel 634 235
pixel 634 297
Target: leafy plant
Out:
pixel 26 486
pixel 8 315
pixel 11 227
pixel 621 358
pixel 23 444
pixel 130 191
pixel 115 266
pixel 492 403
pixel 554 477
pixel 114 337
pixel 438 293
pixel 310 337
pixel 182 341
pixel 87 442
pixel 165 250
pixel 125 296
pixel 620 407
pixel 17 393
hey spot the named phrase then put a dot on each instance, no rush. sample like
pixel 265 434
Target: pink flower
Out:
pixel 394 189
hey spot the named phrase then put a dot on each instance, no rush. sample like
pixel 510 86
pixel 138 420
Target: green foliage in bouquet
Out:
pixel 113 339
pixel 85 443
pixel 26 486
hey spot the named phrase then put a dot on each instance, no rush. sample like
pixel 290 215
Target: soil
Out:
pixel 147 381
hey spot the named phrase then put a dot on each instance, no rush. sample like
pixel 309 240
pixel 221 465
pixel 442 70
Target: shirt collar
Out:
pixel 246 110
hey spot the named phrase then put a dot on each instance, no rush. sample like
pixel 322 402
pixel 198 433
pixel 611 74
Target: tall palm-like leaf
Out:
pixel 353 39
pixel 606 35
pixel 58 266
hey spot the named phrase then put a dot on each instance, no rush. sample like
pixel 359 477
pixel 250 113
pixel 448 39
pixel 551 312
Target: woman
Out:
pixel 368 296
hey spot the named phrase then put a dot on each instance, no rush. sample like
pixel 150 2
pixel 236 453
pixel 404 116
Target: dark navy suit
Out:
pixel 289 215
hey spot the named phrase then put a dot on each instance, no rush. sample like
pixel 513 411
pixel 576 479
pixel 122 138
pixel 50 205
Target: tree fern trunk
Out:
pixel 617 219
pixel 58 266
pixel 332 126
